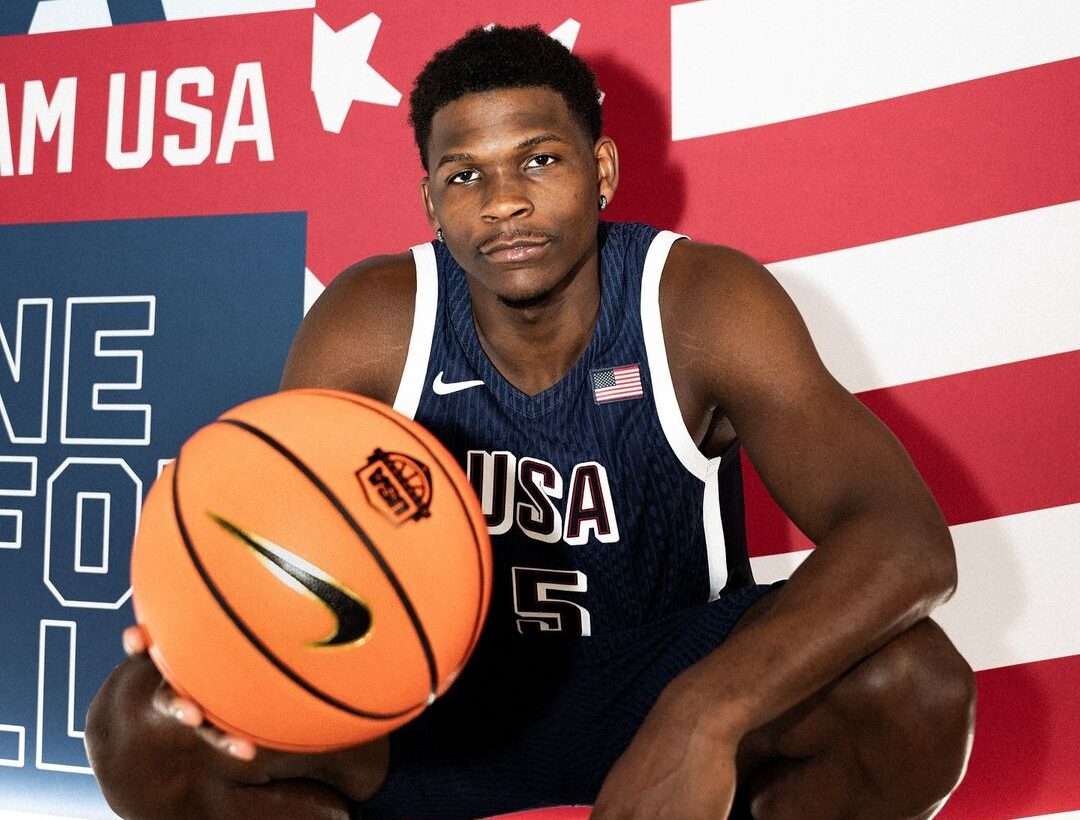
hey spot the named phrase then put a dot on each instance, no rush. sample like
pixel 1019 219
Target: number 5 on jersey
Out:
pixel 543 601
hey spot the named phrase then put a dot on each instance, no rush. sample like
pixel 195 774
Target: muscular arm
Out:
pixel 356 336
pixel 884 558
pixel 743 363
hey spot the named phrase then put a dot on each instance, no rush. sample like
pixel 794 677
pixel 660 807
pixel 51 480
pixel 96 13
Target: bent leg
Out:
pixel 887 740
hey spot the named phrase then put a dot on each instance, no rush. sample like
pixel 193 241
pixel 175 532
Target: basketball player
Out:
pixel 597 380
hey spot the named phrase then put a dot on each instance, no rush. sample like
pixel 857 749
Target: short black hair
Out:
pixel 486 59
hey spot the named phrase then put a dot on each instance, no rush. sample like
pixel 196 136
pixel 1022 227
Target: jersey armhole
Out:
pixel 667 405
pixel 670 416
pixel 414 374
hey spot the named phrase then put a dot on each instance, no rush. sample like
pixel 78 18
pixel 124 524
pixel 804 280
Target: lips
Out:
pixel 514 249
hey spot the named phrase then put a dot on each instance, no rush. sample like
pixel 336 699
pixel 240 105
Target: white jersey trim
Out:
pixel 715 544
pixel 414 374
pixel 671 419
pixel 667 406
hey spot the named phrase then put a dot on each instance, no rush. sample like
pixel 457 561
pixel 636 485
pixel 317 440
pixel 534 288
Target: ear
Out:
pixel 429 209
pixel 607 167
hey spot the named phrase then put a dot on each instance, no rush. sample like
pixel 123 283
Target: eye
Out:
pixel 541 161
pixel 461 177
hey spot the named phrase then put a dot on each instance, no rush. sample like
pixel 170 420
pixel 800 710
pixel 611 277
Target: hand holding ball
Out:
pixel 313 570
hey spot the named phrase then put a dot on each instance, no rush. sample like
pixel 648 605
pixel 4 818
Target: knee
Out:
pixel 915 699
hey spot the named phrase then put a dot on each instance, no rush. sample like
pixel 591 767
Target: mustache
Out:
pixel 514 234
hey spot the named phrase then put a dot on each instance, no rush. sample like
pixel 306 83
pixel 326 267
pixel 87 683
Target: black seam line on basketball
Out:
pixel 478 622
pixel 410 610
pixel 246 630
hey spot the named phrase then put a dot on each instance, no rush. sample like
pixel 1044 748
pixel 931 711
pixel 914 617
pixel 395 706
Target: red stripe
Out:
pixel 989 442
pixel 944 157
pixel 1026 753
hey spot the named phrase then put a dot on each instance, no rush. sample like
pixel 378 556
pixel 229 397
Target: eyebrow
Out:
pixel 531 142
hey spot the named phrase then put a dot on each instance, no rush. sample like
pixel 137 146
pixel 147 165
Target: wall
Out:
pixel 178 181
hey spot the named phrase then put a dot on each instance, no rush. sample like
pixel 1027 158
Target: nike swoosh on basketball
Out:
pixel 444 388
pixel 351 614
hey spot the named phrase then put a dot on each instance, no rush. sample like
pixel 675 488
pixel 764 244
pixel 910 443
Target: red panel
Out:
pixel 1027 744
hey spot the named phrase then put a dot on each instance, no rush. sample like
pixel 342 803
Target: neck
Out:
pixel 534 347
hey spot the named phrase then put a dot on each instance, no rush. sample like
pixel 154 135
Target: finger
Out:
pixel 135 639
pixel 169 704
pixel 235 747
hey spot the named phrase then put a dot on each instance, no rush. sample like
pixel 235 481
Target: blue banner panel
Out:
pixel 118 340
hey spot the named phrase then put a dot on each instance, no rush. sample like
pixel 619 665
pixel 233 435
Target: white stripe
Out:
pixel 313 289
pixel 1016 600
pixel 947 301
pixel 69 15
pixel 414 373
pixel 193 9
pixel 739 64
pixel 715 545
pixel 21 815
pixel 667 406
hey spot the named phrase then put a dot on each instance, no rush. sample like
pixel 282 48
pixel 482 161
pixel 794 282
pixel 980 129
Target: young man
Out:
pixel 593 379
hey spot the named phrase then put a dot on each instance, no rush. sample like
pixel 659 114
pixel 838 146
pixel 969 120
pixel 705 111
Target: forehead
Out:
pixel 488 120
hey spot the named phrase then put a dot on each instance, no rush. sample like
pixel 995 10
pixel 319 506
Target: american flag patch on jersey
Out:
pixel 617 383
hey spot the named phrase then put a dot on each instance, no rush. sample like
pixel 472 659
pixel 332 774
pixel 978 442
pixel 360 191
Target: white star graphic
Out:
pixel 340 72
pixel 567 33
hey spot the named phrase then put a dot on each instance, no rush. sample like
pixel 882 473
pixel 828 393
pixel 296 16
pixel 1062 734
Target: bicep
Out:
pixel 820 452
pixel 355 337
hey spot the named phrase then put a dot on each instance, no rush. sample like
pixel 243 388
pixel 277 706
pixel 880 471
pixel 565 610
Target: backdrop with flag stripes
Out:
pixel 909 172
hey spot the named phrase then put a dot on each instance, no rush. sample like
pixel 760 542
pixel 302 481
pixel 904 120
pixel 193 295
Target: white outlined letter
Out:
pixel 35 323
pixel 100 582
pixel 80 419
pixel 61 743
pixel 16 481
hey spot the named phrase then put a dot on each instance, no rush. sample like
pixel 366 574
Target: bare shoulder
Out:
pixel 727 322
pixel 711 285
pixel 356 335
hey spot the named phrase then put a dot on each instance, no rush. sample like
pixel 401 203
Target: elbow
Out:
pixel 938 559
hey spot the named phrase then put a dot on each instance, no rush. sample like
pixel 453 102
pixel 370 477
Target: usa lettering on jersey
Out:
pixel 530 494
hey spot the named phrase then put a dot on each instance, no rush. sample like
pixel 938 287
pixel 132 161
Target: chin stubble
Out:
pixel 526 302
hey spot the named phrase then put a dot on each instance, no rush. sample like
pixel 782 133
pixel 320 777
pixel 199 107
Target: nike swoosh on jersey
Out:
pixel 444 388
pixel 352 616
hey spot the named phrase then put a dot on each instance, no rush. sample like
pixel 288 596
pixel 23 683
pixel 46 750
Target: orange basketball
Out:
pixel 312 570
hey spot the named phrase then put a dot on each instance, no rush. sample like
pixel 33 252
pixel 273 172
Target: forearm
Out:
pixel 872 576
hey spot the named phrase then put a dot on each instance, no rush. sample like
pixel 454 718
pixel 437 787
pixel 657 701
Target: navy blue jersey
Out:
pixel 603 513
pixel 610 531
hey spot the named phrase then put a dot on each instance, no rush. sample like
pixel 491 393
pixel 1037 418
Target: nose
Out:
pixel 506 199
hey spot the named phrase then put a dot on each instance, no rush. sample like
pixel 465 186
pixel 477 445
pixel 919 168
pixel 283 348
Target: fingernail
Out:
pixel 183 714
pixel 240 749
